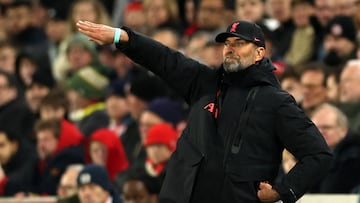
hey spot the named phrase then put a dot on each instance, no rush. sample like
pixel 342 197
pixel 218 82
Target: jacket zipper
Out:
pixel 244 118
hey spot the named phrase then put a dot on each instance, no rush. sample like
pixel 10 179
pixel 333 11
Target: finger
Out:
pixel 90 23
pixel 260 195
pixel 86 28
pixel 261 185
pixel 81 24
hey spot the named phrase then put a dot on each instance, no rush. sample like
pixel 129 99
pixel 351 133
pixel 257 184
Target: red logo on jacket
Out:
pixel 211 108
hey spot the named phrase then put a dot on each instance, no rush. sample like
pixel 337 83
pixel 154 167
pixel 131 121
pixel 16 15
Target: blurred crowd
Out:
pixel 82 121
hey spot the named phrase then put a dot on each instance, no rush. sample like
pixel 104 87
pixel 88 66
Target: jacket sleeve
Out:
pixel 301 138
pixel 183 74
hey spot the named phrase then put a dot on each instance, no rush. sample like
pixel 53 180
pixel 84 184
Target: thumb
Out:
pixel 264 185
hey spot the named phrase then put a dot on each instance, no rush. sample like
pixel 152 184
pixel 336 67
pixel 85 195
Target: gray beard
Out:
pixel 237 65
pixel 233 67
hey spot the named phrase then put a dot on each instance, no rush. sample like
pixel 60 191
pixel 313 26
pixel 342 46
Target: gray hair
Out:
pixel 341 119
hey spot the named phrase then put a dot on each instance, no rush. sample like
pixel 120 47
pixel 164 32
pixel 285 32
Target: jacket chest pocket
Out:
pixel 182 171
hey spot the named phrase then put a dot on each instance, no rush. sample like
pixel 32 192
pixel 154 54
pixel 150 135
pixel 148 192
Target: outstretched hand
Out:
pixel 266 193
pixel 99 33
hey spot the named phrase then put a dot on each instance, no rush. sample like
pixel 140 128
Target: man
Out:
pixel 67 188
pixel 94 186
pixel 85 92
pixel 41 84
pixel 313 86
pixel 12 104
pixel 19 29
pixel 162 109
pixel 280 10
pixel 345 7
pixel 239 122
pixel 349 93
pixel 8 53
pixel 120 120
pixel 17 161
pixel 210 14
pixel 143 89
pixel 290 82
pixel 343 176
pixel 340 41
pixel 324 11
pixel 53 159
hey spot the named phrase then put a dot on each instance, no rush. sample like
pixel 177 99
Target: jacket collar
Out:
pixel 256 74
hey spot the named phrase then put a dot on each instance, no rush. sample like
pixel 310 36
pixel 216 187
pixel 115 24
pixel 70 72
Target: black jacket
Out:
pixel 45 180
pixel 19 170
pixel 220 160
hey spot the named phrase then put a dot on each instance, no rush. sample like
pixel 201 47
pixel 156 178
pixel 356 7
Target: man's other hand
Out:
pixel 266 193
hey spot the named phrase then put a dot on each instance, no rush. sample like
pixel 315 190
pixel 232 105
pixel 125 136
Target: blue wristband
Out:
pixel 117 35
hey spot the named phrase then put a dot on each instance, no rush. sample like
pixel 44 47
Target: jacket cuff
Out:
pixel 287 195
pixel 123 46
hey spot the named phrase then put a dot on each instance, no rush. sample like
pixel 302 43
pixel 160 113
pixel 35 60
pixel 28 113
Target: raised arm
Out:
pixel 187 77
pixel 99 33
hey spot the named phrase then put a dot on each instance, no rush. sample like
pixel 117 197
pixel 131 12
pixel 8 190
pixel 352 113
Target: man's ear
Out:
pixel 259 53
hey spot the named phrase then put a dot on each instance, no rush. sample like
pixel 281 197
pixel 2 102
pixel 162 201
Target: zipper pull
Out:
pixel 235 149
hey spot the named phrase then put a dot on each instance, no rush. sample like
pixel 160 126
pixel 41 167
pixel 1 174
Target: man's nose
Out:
pixel 228 49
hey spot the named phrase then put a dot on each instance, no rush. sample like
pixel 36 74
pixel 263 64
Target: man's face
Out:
pixel 156 13
pixel 280 9
pixel 325 121
pixel 349 84
pixel 314 92
pixel 56 30
pixel 7 149
pixel 116 107
pixel 46 143
pixel 238 54
pixel 98 153
pixel 7 59
pixel 68 185
pixel 17 19
pixel 210 14
pixel 158 153
pixel 92 193
pixel 78 57
pixel 76 101
pixel 341 45
pixel 49 113
pixel 136 105
pixel 6 93
pixel 84 10
pixel 344 7
pixel 35 94
pixel 134 191
pixel 147 119
pixel 324 11
pixel 251 10
pixel 292 86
